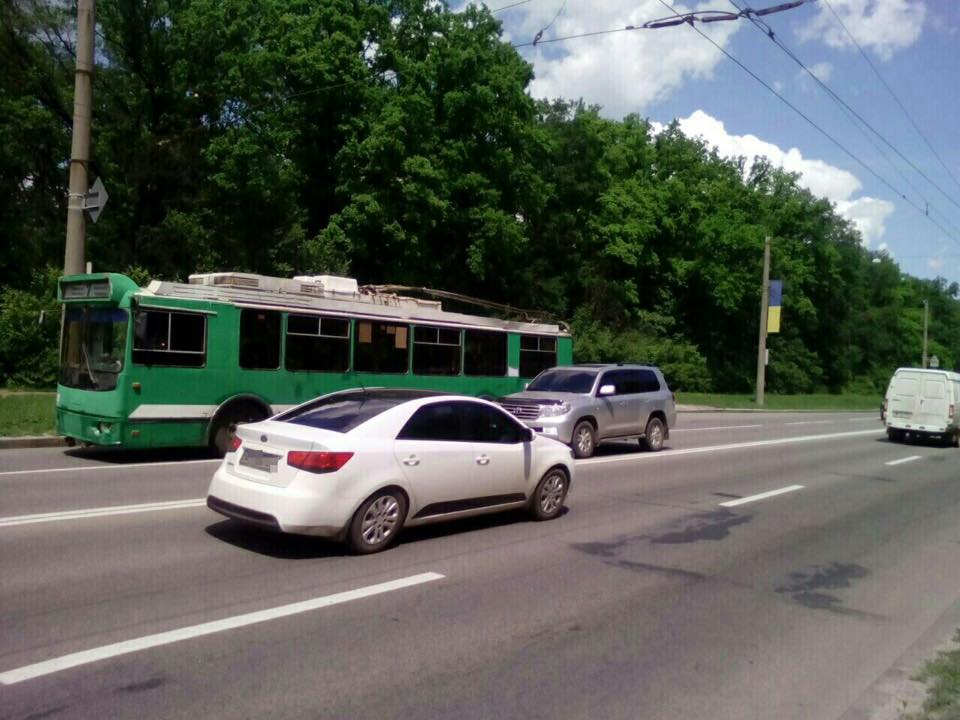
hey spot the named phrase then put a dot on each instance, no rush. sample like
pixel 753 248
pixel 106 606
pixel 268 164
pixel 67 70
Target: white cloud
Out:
pixel 624 72
pixel 883 26
pixel 822 71
pixel 935 263
pixel 868 214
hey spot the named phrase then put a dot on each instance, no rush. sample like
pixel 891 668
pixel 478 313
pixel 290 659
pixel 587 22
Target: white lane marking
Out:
pixel 100 512
pixel 810 422
pixel 904 460
pixel 718 427
pixel 28 672
pixel 761 496
pixel 112 466
pixel 866 419
pixel 635 457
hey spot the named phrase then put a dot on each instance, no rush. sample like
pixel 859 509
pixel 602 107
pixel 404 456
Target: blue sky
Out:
pixel 675 73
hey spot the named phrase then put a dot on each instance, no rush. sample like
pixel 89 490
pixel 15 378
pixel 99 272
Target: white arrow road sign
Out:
pixel 95 199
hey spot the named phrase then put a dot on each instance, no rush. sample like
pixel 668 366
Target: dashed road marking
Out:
pixel 761 496
pixel 718 427
pixel 64 662
pixel 105 466
pixel 667 454
pixel 100 512
pixel 904 460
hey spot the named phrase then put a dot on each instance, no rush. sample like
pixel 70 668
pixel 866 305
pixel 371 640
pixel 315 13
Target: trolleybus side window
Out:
pixel 436 351
pixel 380 347
pixel 537 353
pixel 317 343
pixel 169 338
pixel 259 339
pixel 485 353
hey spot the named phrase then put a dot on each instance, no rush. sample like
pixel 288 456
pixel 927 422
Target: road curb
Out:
pixel 32 441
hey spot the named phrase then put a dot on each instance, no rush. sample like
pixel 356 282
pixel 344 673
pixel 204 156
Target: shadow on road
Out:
pixel 304 547
pixel 118 456
pixel 623 448
pixel 274 544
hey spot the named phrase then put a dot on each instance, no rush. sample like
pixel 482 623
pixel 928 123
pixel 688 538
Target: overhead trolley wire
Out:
pixel 701 16
pixel 817 127
pixel 852 114
pixel 889 89
pixel 508 7
pixel 768 31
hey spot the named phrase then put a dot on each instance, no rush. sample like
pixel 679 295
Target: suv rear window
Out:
pixel 564 380
pixel 342 412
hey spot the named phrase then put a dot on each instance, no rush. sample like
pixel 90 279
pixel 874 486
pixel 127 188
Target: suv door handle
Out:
pixel 483 460
pixel 411 461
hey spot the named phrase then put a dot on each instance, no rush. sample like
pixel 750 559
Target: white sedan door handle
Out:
pixel 483 460
pixel 412 460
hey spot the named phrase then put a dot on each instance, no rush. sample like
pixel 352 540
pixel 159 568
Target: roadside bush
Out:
pixel 28 345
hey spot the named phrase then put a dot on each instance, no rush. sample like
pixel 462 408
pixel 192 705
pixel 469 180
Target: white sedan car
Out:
pixel 359 465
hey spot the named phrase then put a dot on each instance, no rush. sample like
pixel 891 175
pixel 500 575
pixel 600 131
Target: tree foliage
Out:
pixel 395 140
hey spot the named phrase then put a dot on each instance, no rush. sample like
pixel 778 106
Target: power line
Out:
pixel 701 16
pixel 511 5
pixel 852 114
pixel 817 127
pixel 768 31
pixel 892 93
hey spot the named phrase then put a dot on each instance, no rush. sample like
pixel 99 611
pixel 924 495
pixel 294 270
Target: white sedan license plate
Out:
pixel 260 460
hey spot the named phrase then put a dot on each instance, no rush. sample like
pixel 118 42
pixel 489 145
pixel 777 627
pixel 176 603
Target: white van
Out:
pixel 923 403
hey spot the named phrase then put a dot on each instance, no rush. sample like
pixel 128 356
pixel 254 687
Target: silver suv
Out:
pixel 582 405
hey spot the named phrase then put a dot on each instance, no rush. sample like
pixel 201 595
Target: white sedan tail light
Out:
pixel 318 462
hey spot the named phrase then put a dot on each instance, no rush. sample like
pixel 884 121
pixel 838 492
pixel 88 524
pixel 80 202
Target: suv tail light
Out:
pixel 318 462
pixel 952 410
pixel 235 443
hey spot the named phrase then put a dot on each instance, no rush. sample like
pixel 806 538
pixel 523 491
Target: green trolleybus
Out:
pixel 177 364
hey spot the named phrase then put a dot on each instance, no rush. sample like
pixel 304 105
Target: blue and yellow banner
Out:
pixel 773 311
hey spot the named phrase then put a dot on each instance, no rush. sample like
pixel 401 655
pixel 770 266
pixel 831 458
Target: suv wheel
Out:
pixel 653 436
pixel 584 440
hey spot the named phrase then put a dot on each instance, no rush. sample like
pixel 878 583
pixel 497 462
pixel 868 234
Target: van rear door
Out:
pixel 933 401
pixel 904 400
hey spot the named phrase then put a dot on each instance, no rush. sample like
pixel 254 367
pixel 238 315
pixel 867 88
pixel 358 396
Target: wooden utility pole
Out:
pixel 926 322
pixel 74 261
pixel 762 343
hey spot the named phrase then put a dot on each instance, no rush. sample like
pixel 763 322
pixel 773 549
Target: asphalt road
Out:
pixel 651 597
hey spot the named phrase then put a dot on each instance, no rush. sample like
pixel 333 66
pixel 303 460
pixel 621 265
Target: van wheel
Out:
pixel 895 435
pixel 584 440
pixel 653 436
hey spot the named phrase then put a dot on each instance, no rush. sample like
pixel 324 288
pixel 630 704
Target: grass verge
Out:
pixel 783 402
pixel 27 413
pixel 942 676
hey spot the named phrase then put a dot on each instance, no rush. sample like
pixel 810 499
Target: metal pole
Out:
pixel 73 261
pixel 926 322
pixel 762 344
